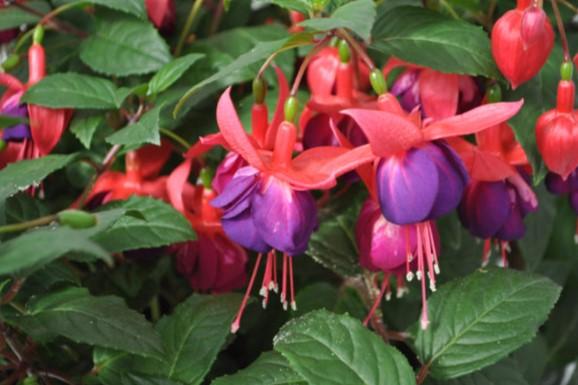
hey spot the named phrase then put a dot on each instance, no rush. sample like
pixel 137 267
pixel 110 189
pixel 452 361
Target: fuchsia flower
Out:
pixel 418 177
pixel 440 95
pixel 267 205
pixel 162 13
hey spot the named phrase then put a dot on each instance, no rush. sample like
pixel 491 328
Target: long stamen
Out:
pixel 504 249
pixel 237 322
pixel 292 284
pixel 284 283
pixel 384 287
pixel 275 287
pixel 429 257
pixel 266 277
pixel 408 256
pixel 487 252
pixel 421 276
pixel 576 234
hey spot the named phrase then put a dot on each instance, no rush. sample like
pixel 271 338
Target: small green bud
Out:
pixel 2 145
pixel 259 90
pixel 206 177
pixel 77 219
pixel 11 62
pixel 566 70
pixel 344 51
pixel 38 34
pixel 291 106
pixel 377 81
pixel 494 94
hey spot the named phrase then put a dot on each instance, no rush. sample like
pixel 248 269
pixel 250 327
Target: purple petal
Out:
pixel 514 227
pixel 407 187
pixel 242 230
pixel 318 132
pixel 226 170
pixel 16 133
pixel 409 100
pixel 284 218
pixel 404 82
pixel 238 191
pixel 485 208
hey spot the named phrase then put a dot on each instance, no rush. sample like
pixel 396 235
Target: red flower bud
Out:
pixel 162 13
pixel 521 42
pixel 557 133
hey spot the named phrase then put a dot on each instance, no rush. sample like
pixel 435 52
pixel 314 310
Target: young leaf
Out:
pixel 358 16
pixel 481 318
pixel 269 369
pixel 35 249
pixel 85 127
pixel 136 46
pixel 171 72
pixel 146 130
pixel 326 348
pixel 158 224
pixel 100 321
pixel 427 38
pixel 71 90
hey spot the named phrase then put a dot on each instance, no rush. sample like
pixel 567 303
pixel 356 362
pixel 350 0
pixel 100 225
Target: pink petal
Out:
pixel 438 93
pixel 387 133
pixel 472 121
pixel 279 114
pixel 176 184
pixel 47 126
pixel 233 132
pixel 151 158
pixel 481 165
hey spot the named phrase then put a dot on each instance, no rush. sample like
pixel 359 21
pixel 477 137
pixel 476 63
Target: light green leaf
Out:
pixel 427 38
pixel 269 369
pixel 146 130
pixel 479 319
pixel 171 72
pixel 326 348
pixel 158 224
pixel 100 321
pixel 85 127
pixel 358 16
pixel 71 90
pixel 136 47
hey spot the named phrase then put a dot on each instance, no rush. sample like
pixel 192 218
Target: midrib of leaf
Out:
pixel 474 323
pixel 180 349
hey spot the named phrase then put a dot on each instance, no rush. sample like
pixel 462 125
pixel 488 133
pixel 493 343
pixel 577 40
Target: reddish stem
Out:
pixel 561 30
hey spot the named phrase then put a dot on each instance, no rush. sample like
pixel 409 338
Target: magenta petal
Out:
pixel 318 132
pixel 284 218
pixel 514 227
pixel 226 170
pixel 485 208
pixel 242 230
pixel 557 185
pixel 235 198
pixel 407 187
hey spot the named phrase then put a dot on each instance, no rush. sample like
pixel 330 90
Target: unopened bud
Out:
pixel 77 219
pixel 377 81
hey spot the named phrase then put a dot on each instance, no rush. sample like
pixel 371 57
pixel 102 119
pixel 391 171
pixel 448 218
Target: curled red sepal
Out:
pixel 481 165
pixel 279 113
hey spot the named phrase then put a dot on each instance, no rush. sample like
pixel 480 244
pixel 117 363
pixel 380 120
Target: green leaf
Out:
pixel 358 16
pixel 302 6
pixel 171 72
pixel 85 127
pixel 333 244
pixel 136 47
pixel 20 175
pixel 35 249
pixel 326 348
pixel 71 90
pixel 100 321
pixel 13 17
pixel 269 369
pixel 479 319
pixel 258 53
pixel 146 130
pixel 427 38
pixel 134 7
pixel 159 224
pixel 9 121
pixel 505 372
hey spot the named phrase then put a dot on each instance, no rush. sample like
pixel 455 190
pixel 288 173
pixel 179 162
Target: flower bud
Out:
pixel 77 219
pixel 38 34
pixel 344 51
pixel 377 81
pixel 259 90
pixel 291 106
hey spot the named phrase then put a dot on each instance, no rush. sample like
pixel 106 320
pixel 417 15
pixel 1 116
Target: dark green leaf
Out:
pixel 134 7
pixel 136 47
pixel 302 6
pixel 358 16
pixel 171 72
pixel 505 372
pixel 9 121
pixel 269 369
pixel 427 38
pixel 85 127
pixel 162 225
pixel 481 318
pixel 100 321
pixel 14 17
pixel 71 90
pixel 34 249
pixel 22 207
pixel 326 348
pixel 146 130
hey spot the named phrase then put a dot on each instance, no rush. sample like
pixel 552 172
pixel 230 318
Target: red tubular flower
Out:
pixel 296 18
pixel 557 132
pixel 521 42
pixel 162 13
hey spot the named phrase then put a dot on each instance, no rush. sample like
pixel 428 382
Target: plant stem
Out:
pixel 13 291
pixel 155 308
pixel 177 138
pixel 217 18
pixel 561 30
pixel 422 374
pixel 194 12
pixel 569 5
pixel 356 46
pixel 16 227
pixel 49 17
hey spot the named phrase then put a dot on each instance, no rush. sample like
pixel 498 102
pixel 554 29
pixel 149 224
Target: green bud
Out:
pixel 344 51
pixel 259 90
pixel 2 145
pixel 206 177
pixel 566 70
pixel 319 5
pixel 291 106
pixel 11 62
pixel 77 219
pixel 377 81
pixel 494 94
pixel 334 42
pixel 38 34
